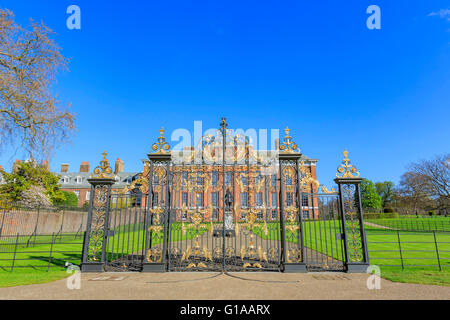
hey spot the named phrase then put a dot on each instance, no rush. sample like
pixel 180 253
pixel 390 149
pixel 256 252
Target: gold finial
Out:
pixel 346 170
pixel 161 146
pixel 288 146
pixel 103 171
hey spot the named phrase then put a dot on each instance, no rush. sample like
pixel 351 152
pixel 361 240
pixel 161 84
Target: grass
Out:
pixel 415 223
pixel 417 249
pixel 20 277
pixel 430 276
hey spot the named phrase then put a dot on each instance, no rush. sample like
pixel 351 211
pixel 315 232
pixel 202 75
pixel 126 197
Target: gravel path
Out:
pixel 253 286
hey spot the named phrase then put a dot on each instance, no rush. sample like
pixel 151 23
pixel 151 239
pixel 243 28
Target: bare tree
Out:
pixel 436 173
pixel 30 113
pixel 412 192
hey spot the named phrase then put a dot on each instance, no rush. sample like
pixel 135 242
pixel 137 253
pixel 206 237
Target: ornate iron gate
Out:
pixel 224 206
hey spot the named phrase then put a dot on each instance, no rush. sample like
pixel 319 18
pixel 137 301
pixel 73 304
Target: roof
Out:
pixel 68 180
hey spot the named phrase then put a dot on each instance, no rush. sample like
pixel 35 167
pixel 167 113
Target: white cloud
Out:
pixel 443 13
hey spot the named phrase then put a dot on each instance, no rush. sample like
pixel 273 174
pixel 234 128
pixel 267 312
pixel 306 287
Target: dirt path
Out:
pixel 377 225
pixel 253 286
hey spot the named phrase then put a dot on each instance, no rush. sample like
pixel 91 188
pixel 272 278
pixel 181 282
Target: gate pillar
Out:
pixel 355 244
pixel 292 251
pixel 94 243
pixel 157 207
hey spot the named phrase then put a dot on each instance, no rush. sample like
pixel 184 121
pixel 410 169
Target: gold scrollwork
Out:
pixel 346 170
pixel 161 146
pixel 325 190
pixel 103 171
pixel 288 146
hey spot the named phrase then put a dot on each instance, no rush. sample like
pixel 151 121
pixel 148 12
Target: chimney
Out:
pixel 119 166
pixel 16 165
pixel 64 167
pixel 46 165
pixel 277 143
pixel 84 166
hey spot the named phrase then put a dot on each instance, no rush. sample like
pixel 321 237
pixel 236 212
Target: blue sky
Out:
pixel 314 66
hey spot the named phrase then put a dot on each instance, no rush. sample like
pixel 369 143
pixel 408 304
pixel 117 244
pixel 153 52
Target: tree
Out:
pixel 386 191
pixel 412 191
pixel 26 174
pixel 29 111
pixel 435 175
pixel 34 197
pixel 71 199
pixel 369 195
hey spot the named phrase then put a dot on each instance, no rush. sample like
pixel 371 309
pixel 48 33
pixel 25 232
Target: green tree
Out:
pixel 369 195
pixel 26 174
pixel 386 191
pixel 70 201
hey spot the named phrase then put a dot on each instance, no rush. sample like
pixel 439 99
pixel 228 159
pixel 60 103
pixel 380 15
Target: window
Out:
pixel 215 214
pixel 289 199
pixel 229 178
pixel 273 180
pixel 155 179
pixel 260 215
pixel 214 199
pixel 199 199
pixel 258 178
pixel 184 178
pixel 199 181
pixel 288 180
pixel 243 199
pixel 77 192
pixel 305 214
pixel 274 214
pixel 214 178
pixel 184 198
pixel 259 199
pixel 88 195
pixel 305 200
pixel 244 180
pixel 78 179
pixel 66 180
pixel 274 199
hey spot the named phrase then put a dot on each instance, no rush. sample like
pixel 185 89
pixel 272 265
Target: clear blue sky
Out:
pixel 312 65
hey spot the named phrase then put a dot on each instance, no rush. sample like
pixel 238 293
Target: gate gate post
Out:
pixel 94 243
pixel 292 254
pixel 355 244
pixel 157 217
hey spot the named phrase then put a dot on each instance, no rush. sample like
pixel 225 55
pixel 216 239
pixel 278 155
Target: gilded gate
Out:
pixel 224 206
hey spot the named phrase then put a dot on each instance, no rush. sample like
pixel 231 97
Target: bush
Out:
pixel 71 200
pixel 431 213
pixel 383 215
pixel 388 210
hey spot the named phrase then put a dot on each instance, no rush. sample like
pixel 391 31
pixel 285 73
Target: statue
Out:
pixel 228 200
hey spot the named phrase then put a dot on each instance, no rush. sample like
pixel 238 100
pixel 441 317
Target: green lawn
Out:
pixel 417 249
pixel 24 276
pixel 415 223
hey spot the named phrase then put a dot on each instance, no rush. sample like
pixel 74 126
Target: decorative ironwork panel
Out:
pixel 352 222
pixel 97 226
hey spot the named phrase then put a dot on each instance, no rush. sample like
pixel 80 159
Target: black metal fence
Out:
pixel 41 237
pixel 413 224
pixel 405 249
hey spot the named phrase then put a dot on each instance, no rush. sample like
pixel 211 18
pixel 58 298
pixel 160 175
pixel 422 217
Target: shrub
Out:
pixel 71 199
pixel 388 210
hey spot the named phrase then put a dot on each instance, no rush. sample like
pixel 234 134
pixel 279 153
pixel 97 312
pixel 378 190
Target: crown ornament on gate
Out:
pixel 346 170
pixel 103 171
pixel 161 146
pixel 288 146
